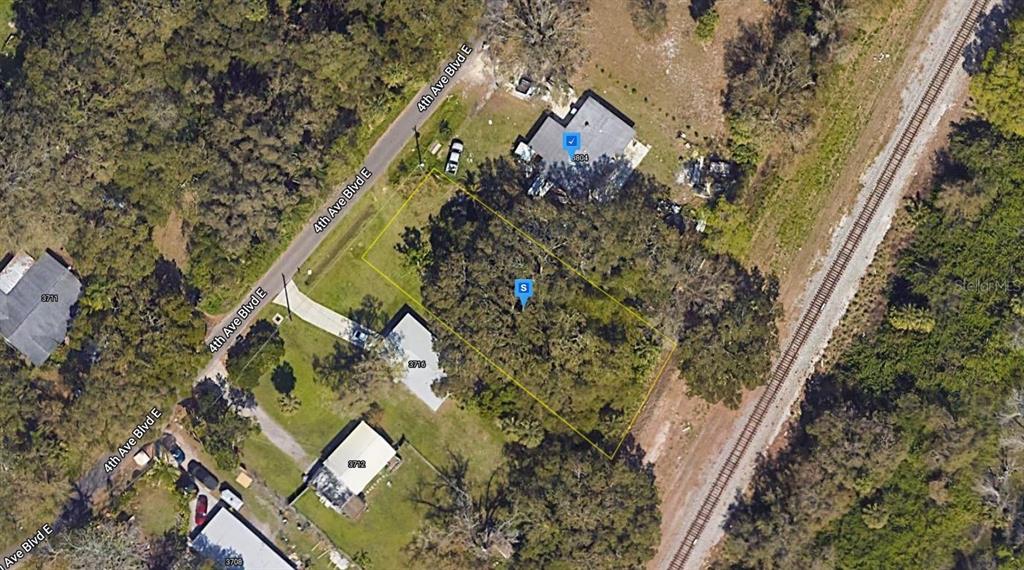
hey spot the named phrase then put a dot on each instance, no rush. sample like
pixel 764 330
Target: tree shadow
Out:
pixel 992 30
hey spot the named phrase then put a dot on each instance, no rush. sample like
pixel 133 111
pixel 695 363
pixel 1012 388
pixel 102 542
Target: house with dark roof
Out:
pixel 606 151
pixel 35 304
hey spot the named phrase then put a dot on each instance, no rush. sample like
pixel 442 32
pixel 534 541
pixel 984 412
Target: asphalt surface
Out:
pixel 381 155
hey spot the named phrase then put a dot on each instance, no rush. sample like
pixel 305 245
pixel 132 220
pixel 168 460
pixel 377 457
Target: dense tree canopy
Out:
pixel 539 38
pixel 226 111
pixel 99 545
pixel 998 90
pixel 254 354
pixel 215 421
pixel 907 453
pixel 120 116
pixel 584 354
pixel 580 510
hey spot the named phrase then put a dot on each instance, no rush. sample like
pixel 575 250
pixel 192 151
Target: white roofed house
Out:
pixel 414 346
pixel 232 542
pixel 344 473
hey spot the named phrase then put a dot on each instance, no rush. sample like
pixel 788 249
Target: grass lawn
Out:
pixel 322 415
pixel 281 476
pixel 391 520
pixel 426 202
pixel 275 468
pixel 770 231
pixel 387 526
pixel 492 130
pixel 157 507
pixel 6 15
pixel 339 278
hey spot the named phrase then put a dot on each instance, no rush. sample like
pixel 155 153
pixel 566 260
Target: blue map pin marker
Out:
pixel 524 290
pixel 571 143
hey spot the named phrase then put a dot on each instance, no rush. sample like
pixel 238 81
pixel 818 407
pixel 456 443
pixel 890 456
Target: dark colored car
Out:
pixel 187 485
pixel 202 474
pixel 202 503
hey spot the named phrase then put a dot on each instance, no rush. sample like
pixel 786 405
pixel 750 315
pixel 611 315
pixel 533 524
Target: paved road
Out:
pixel 381 155
pixel 96 481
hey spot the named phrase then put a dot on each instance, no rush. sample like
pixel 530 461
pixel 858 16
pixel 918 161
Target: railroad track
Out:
pixel 835 272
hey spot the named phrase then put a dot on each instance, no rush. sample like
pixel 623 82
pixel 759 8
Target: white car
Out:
pixel 454 154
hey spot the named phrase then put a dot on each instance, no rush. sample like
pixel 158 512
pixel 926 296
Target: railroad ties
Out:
pixel 832 277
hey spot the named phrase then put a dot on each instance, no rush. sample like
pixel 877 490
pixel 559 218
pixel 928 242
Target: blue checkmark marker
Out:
pixel 571 143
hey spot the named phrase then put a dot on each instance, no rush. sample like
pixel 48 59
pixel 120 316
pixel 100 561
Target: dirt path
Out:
pixel 281 438
pixel 689 475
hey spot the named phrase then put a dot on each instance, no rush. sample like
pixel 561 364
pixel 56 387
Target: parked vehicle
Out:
pixel 186 484
pixel 202 503
pixel 176 453
pixel 231 497
pixel 168 449
pixel 202 474
pixel 360 336
pixel 454 154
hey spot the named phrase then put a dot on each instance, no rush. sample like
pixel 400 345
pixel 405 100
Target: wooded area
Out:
pixel 578 351
pixel 117 115
pixel 561 505
pixel 907 453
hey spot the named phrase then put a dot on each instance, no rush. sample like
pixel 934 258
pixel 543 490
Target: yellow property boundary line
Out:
pixel 507 374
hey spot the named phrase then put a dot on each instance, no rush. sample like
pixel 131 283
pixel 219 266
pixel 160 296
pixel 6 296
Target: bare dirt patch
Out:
pixel 685 461
pixel 681 434
pixel 169 239
pixel 669 85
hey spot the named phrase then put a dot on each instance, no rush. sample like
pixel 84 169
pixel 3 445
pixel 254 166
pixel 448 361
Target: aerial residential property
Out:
pixel 415 345
pixel 605 139
pixel 232 542
pixel 341 477
pixel 36 297
pixel 512 284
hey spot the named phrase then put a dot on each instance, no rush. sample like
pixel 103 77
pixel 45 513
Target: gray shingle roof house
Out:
pixel 35 304
pixel 607 138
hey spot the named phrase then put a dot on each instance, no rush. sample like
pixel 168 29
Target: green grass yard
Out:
pixel 275 468
pixel 389 523
pixel 322 415
pixel 430 196
pixel 491 131
pixel 391 519
pixel 157 506
pixel 6 15
pixel 339 278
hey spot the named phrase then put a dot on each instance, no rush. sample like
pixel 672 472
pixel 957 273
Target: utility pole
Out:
pixel 287 302
pixel 419 154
